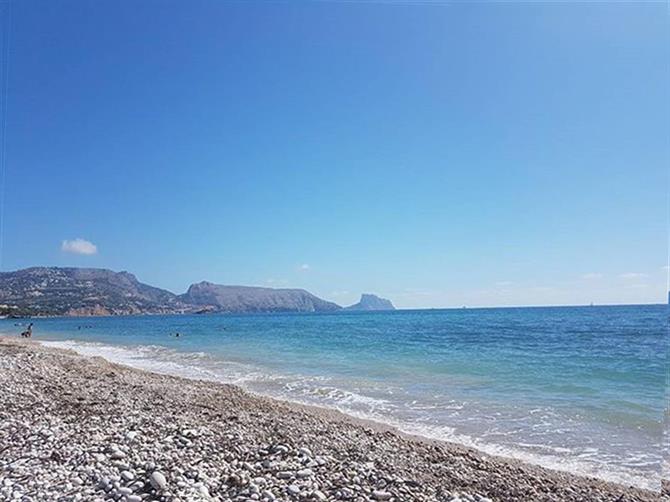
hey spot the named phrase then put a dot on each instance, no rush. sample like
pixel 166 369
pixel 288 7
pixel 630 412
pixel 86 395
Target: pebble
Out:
pixel 318 495
pixel 304 473
pixel 137 430
pixel 158 481
pixel 381 495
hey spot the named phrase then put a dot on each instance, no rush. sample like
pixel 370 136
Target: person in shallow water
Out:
pixel 28 332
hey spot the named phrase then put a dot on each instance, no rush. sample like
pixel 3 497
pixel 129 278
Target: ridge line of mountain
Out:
pixel 73 291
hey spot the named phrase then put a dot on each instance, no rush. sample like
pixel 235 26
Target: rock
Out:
pixel 371 302
pixel 381 495
pixel 158 481
pixel 281 449
pixel 304 473
pixel 117 455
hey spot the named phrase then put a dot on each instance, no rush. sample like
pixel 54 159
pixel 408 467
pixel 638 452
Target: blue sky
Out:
pixel 439 155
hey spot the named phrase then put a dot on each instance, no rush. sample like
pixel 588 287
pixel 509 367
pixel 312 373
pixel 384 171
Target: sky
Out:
pixel 438 154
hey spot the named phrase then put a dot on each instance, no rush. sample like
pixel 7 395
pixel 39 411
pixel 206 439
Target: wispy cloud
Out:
pixel 304 266
pixel 504 284
pixel 633 275
pixel 592 275
pixel 79 246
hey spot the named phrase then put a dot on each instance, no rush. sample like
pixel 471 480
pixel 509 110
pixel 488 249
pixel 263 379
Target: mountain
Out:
pixel 371 302
pixel 82 291
pixel 53 291
pixel 254 299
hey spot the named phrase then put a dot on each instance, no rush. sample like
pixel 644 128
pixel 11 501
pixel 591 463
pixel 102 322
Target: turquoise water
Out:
pixel 578 389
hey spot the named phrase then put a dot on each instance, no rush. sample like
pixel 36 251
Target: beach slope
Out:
pixel 78 428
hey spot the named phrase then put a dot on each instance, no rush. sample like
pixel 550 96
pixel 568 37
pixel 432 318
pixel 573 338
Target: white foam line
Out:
pixel 143 357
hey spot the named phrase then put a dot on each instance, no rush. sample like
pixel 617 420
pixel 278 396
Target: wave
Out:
pixel 403 415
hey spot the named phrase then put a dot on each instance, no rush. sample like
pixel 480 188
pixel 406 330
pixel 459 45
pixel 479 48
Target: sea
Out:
pixel 578 389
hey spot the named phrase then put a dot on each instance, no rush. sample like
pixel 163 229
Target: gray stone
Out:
pixel 304 473
pixel 381 495
pixel 158 481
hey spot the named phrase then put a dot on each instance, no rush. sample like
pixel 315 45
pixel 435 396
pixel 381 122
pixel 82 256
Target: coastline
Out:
pixel 75 424
pixel 343 310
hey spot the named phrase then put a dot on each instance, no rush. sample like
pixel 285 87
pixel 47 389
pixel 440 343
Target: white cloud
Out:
pixel 79 246
pixel 592 275
pixel 633 275
pixel 504 284
pixel 304 266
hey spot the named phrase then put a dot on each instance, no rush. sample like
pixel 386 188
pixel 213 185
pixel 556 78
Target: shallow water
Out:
pixel 573 388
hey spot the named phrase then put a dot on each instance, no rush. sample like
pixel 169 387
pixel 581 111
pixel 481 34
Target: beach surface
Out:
pixel 81 428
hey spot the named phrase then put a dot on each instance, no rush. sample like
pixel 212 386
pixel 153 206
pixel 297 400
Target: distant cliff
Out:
pixel 55 291
pixel 372 302
pixel 254 299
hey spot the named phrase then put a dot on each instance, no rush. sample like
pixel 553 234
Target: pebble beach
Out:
pixel 82 428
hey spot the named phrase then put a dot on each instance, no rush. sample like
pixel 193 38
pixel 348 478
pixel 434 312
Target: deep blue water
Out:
pixel 573 388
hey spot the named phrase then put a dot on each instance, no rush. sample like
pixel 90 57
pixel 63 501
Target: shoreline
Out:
pixel 352 459
pixel 569 465
pixel 340 311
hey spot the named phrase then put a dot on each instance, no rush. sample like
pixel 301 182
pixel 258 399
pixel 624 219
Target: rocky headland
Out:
pixel 254 299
